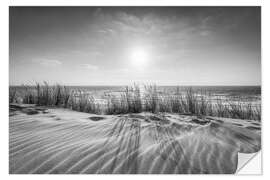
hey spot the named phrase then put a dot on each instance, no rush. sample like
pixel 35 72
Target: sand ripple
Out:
pixel 63 141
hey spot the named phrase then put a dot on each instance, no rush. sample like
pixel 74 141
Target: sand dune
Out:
pixel 63 141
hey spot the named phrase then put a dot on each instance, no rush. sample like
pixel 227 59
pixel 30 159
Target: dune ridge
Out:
pixel 62 141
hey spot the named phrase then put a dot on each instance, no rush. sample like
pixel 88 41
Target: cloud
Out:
pixel 106 31
pixel 86 52
pixel 95 54
pixel 48 62
pixel 205 33
pixel 89 66
pixel 97 12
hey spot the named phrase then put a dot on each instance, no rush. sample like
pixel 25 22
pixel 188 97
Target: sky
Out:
pixel 123 45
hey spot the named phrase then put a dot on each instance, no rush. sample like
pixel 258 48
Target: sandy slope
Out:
pixel 64 141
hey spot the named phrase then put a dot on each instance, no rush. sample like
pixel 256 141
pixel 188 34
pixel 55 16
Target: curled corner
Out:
pixel 249 164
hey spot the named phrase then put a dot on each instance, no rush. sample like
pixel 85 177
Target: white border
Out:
pixel 4 74
pixel 135 2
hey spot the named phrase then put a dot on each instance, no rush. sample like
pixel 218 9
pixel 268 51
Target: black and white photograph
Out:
pixel 133 89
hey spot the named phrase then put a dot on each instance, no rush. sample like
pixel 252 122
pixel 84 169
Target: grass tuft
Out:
pixel 131 100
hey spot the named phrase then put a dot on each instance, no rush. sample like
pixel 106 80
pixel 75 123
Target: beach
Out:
pixel 62 141
pixel 134 89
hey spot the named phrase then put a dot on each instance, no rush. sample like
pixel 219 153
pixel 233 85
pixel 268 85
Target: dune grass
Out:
pixel 128 102
pixel 132 100
pixel 151 99
pixel 12 94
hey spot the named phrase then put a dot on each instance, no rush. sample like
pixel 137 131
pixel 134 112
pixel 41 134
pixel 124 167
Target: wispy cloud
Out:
pixel 89 66
pixel 48 62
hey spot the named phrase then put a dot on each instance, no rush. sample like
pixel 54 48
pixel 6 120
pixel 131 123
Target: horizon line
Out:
pixel 33 84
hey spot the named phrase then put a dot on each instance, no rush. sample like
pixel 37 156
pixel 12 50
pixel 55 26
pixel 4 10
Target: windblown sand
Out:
pixel 63 141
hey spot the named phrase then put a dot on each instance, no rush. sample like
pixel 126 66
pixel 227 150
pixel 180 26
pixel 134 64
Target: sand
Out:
pixel 55 140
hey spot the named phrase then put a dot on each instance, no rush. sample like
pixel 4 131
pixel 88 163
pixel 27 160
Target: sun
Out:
pixel 139 57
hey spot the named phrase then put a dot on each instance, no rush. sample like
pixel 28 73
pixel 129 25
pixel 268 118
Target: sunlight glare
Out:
pixel 139 57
